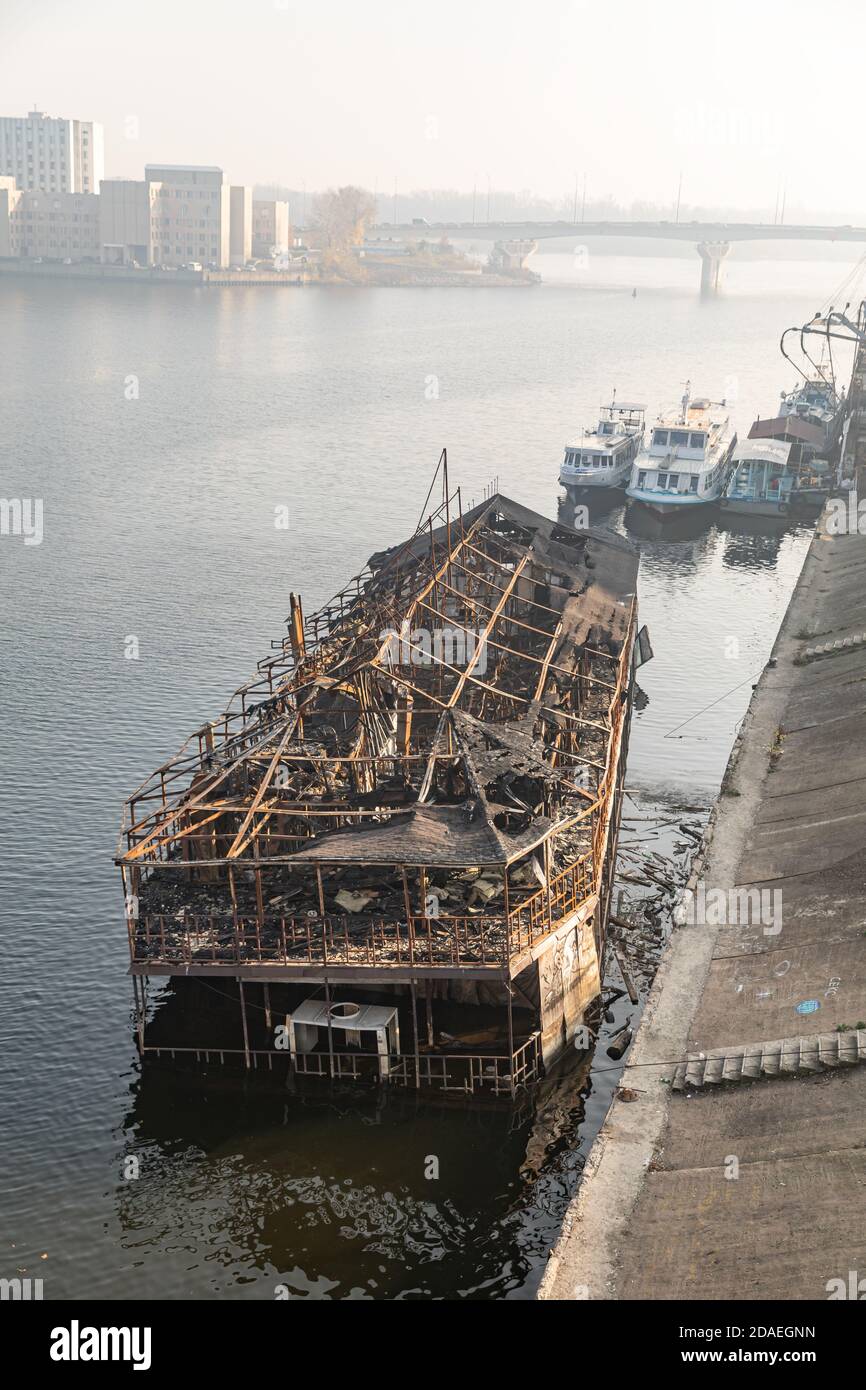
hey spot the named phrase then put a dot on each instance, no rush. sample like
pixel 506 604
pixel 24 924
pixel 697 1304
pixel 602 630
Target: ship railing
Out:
pixel 540 913
pixel 467 1073
pixel 205 939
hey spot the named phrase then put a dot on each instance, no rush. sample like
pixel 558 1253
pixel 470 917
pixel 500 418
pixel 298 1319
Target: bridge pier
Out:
pixel 712 254
pixel 509 256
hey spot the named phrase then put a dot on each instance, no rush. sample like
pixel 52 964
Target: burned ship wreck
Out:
pixel 394 855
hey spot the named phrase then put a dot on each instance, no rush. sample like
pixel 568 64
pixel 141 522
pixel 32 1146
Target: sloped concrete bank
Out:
pixel 753 1188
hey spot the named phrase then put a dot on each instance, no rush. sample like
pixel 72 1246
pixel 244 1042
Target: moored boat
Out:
pixel 687 461
pixel 603 457
pixel 762 480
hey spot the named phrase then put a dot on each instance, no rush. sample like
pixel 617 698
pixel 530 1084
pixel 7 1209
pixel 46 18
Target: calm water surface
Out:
pixel 159 524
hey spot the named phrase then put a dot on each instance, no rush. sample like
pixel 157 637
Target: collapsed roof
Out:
pixel 452 705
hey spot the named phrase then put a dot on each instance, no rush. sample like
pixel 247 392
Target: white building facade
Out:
pixel 51 154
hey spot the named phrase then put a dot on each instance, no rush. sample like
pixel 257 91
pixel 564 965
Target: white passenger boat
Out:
pixel 687 461
pixel 604 456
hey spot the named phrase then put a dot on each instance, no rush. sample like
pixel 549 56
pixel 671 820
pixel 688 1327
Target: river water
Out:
pixel 161 429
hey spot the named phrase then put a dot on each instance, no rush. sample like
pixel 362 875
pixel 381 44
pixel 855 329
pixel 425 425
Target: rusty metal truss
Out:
pixel 419 777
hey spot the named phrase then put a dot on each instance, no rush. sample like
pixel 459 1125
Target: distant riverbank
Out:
pixel 404 276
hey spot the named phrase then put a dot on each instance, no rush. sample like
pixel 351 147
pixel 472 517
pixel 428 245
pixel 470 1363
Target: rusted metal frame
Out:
pixel 489 537
pixel 455 670
pixel 476 603
pixel 476 580
pixel 189 805
pixel 545 666
pixel 330 1027
pixel 136 851
pixel 265 815
pixel 244 1022
pixel 436 579
pixel 416 689
pixel 343 757
pixel 467 672
pixel 360 583
pixel 185 805
pixel 502 646
pixel 533 603
pixel 413 995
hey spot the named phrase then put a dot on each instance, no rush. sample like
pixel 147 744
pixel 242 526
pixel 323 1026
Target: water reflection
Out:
pixel 342 1193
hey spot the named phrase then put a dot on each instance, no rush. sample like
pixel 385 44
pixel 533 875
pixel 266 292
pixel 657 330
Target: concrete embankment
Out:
pixel 754 1186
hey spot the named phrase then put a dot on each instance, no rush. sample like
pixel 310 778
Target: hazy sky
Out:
pixel 737 94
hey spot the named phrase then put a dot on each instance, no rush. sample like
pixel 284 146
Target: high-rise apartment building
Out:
pixel 52 154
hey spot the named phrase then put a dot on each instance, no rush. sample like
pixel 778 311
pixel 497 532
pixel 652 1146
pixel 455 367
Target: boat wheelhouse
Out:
pixel 763 479
pixel 815 401
pixel 687 461
pixel 604 456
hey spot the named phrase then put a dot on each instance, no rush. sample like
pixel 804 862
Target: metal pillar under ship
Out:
pixel 391 858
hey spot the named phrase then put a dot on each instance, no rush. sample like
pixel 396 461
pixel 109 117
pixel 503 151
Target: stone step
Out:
pixel 801 1055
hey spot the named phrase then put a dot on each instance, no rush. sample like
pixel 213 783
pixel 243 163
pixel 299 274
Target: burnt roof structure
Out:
pixel 459 704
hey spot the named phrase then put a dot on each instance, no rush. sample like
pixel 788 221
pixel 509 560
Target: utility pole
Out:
pixel 679 196
pixel 474 196
pixel 784 200
pixel 574 212
pixel 488 200
pixel 583 205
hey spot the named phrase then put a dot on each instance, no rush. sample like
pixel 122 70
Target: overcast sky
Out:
pixel 737 94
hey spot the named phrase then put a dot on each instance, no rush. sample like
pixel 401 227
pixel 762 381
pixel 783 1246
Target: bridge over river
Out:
pixel 712 240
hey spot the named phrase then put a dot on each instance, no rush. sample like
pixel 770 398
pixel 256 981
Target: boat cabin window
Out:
pixel 641 479
pixel 663 479
pixel 679 437
pixel 660 437
pixel 697 441
pixel 693 483
pixel 674 481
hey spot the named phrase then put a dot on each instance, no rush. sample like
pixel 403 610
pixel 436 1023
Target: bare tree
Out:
pixel 340 217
